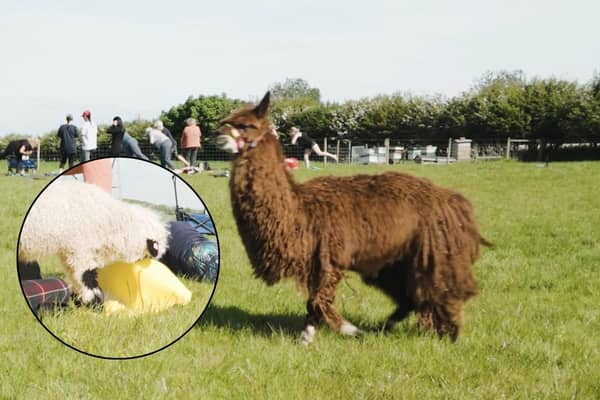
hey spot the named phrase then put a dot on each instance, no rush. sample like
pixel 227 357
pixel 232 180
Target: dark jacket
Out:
pixel 13 148
pixel 116 143
pixel 67 134
pixel 171 138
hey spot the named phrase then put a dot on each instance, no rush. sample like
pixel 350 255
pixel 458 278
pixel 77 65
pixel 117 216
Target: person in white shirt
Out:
pixel 88 136
pixel 163 145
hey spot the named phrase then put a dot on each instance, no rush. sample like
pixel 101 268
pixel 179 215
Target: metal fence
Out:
pixel 391 151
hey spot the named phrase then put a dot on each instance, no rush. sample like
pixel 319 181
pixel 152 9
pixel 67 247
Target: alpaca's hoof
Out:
pixel 308 335
pixel 388 325
pixel 450 330
pixel 348 329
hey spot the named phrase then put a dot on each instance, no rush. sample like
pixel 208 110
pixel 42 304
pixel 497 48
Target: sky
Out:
pixel 130 179
pixel 138 58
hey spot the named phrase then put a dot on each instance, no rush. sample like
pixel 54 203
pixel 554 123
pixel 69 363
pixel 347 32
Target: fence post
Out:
pixel 325 147
pixel 386 143
pixel 448 151
pixel 508 149
pixel 350 152
pixel 337 150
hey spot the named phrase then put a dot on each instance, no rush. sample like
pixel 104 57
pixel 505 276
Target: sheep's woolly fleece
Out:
pixel 88 229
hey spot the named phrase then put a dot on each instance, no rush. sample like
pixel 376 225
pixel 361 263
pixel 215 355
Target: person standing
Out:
pixel 163 145
pixel 116 131
pixel 88 136
pixel 190 141
pixel 190 253
pixel 67 134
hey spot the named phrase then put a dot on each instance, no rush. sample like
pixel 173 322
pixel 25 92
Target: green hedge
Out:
pixel 500 105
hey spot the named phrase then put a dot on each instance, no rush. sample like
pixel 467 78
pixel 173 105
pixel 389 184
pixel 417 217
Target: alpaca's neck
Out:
pixel 260 180
pixel 266 210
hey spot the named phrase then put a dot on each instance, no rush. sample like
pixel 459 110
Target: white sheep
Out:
pixel 88 229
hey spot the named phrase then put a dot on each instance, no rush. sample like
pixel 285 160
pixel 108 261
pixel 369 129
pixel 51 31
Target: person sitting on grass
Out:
pixel 21 150
pixel 190 253
pixel 309 145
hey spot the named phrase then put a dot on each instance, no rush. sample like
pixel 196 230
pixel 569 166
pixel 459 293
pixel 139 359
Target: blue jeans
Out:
pixel 165 150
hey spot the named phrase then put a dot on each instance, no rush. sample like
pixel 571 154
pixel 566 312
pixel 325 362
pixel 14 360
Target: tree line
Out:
pixel 499 105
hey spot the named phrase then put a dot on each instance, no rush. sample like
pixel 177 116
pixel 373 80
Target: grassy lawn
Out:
pixel 533 332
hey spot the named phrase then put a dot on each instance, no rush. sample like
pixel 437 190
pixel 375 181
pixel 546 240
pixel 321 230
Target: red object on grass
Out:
pixel 291 163
pixel 51 292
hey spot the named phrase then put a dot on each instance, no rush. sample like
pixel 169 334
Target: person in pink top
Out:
pixel 190 141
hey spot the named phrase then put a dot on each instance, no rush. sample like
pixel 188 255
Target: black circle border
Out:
pixel 153 351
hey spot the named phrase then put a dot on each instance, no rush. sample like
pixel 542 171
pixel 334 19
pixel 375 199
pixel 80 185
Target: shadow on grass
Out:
pixel 236 319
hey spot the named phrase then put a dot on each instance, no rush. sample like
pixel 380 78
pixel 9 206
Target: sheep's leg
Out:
pixel 75 285
pixel 90 291
pixel 85 284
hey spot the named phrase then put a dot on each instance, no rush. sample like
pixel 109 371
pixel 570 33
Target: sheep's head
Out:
pixel 153 247
pixel 244 127
pixel 147 230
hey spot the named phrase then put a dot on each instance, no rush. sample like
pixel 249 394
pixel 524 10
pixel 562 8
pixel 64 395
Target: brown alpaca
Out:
pixel 413 240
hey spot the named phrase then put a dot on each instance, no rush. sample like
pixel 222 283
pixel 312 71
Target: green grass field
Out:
pixel 533 332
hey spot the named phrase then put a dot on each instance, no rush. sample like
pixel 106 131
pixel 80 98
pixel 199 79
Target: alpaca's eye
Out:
pixel 243 127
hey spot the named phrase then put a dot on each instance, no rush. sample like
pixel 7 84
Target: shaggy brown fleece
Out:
pixel 415 241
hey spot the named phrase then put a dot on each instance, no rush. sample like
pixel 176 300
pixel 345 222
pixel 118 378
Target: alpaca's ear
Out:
pixel 261 109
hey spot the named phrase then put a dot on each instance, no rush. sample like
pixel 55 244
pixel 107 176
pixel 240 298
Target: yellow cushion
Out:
pixel 140 287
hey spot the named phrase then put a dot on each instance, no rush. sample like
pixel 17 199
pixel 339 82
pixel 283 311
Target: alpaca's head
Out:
pixel 245 127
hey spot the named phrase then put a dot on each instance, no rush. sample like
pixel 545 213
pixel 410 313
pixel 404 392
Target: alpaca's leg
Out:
pixel 392 280
pixel 321 307
pixel 328 313
pixel 425 316
pixel 445 319
pixel 402 310
pixel 311 322
pixel 449 319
